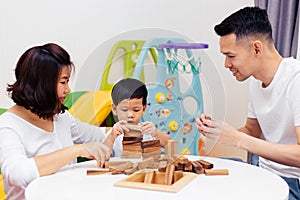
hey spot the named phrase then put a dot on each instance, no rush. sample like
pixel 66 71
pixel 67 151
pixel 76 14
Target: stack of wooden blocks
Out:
pixel 151 149
pixel 135 147
pixel 132 142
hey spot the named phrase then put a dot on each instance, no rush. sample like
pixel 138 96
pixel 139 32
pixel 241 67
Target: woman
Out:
pixel 37 134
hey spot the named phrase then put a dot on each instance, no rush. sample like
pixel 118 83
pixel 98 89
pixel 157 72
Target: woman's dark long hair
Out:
pixel 37 73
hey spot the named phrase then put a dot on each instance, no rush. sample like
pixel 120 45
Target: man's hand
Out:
pixel 218 130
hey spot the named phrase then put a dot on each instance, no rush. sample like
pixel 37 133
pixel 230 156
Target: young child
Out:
pixel 129 105
pixel 37 134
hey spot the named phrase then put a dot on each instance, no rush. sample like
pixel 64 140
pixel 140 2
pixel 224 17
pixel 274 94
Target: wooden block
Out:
pixel 133 127
pixel 151 149
pixel 177 175
pixel 197 167
pixel 182 160
pixel 149 177
pixel 136 144
pixel 132 170
pixel 131 154
pixel 115 171
pixel 97 171
pixel 145 163
pixel 179 166
pixel 134 131
pixel 132 140
pixel 205 164
pixel 132 134
pixel 169 174
pixel 155 155
pixel 136 139
pixel 154 165
pixel 212 172
pixel 122 167
pixel 171 148
pixel 159 178
pixel 109 164
pixel 175 156
pixel 188 167
pixel 134 148
pixel 150 143
pixel 162 165
pixel 163 157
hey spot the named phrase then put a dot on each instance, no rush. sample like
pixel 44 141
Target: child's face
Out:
pixel 130 110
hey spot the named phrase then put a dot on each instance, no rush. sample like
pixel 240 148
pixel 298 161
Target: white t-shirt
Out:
pixel 118 147
pixel 277 109
pixel 20 141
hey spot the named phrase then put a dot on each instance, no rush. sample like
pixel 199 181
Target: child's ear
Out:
pixel 144 109
pixel 114 109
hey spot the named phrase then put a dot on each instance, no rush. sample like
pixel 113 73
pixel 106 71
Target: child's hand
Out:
pixel 116 130
pixel 149 128
pixel 119 128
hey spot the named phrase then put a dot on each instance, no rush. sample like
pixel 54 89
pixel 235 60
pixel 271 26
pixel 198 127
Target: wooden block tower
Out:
pixel 151 149
pixel 132 142
pixel 135 147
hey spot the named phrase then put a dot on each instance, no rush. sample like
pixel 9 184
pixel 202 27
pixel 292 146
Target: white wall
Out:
pixel 84 28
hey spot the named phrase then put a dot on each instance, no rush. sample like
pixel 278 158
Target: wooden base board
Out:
pixel 136 181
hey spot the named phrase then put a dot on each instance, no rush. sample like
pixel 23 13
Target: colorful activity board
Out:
pixel 165 103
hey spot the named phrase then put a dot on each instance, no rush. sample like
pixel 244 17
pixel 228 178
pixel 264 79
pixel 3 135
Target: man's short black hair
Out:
pixel 129 88
pixel 246 22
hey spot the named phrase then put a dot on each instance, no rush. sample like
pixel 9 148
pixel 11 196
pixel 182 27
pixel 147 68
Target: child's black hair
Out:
pixel 129 88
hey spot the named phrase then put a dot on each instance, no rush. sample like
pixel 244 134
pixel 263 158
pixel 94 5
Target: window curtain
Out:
pixel 284 17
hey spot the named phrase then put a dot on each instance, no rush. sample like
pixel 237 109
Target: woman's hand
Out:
pixel 97 151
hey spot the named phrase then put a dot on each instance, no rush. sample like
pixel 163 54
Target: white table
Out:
pixel 243 182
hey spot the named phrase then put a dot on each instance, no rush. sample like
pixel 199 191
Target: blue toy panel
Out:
pixel 165 100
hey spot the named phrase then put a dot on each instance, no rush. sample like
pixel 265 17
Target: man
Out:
pixel 274 108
